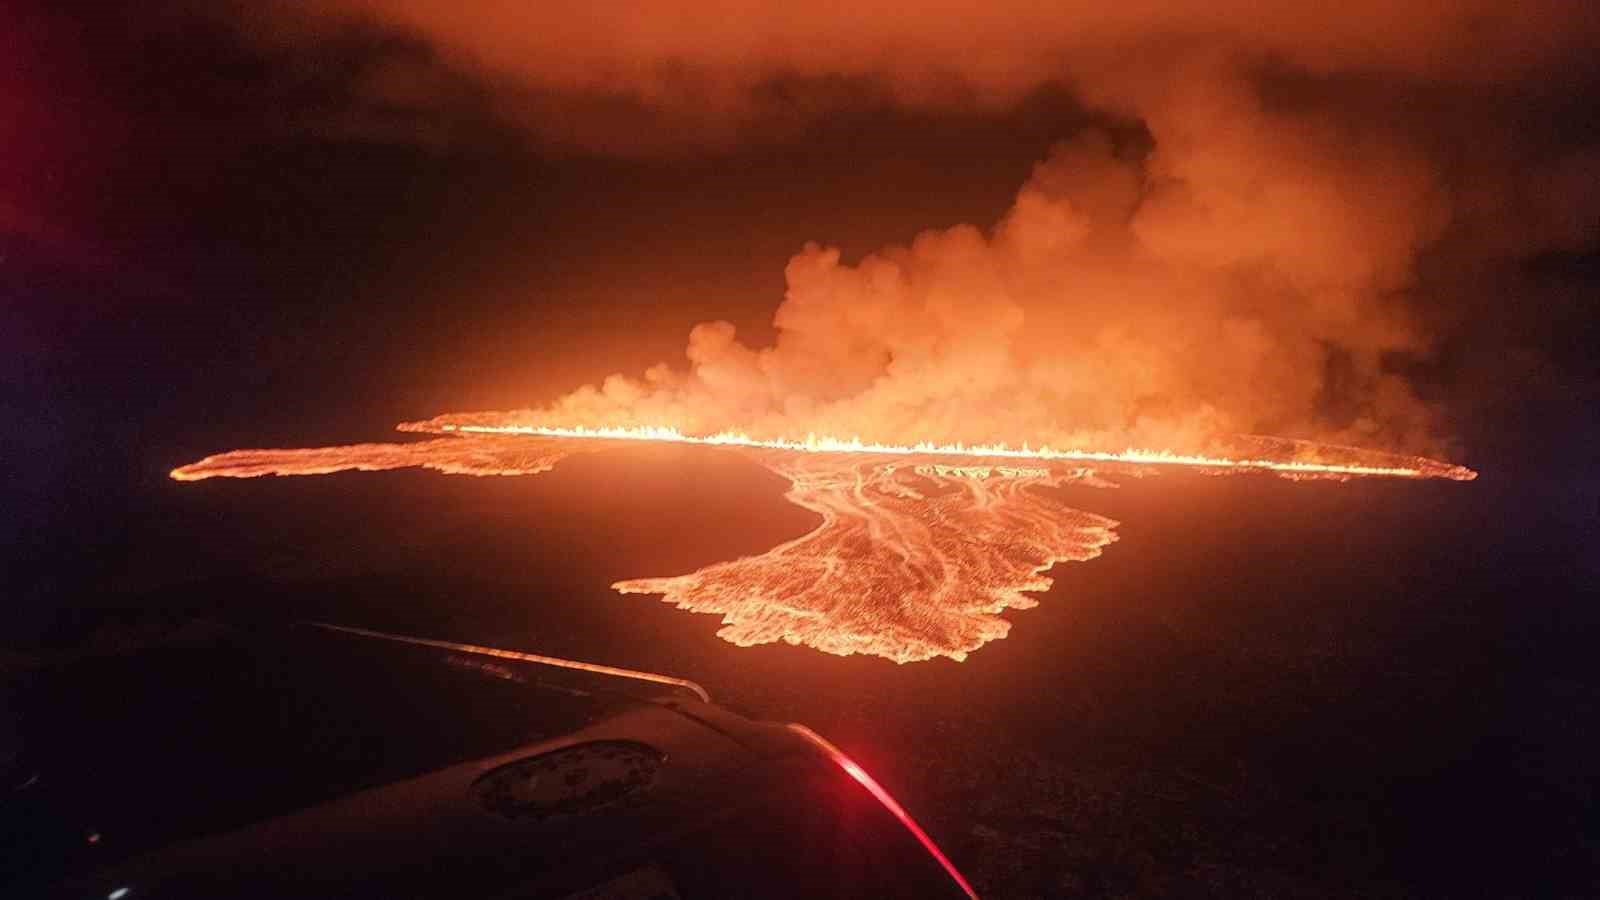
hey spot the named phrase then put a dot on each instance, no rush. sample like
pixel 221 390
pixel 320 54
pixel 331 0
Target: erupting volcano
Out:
pixel 919 550
pixel 1137 294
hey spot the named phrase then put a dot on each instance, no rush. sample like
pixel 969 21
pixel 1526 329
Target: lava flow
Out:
pixel 909 562
pixel 919 550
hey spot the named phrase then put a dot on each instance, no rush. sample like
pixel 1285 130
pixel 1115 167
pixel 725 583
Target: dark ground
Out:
pixel 1265 688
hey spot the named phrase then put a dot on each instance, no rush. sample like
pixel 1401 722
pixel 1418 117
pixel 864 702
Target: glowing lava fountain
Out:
pixel 1389 465
pixel 920 547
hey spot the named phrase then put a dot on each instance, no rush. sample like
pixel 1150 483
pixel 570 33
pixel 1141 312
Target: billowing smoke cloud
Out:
pixel 1245 265
pixel 1157 299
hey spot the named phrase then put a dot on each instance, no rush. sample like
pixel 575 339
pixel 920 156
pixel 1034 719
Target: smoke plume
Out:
pixel 1245 260
pixel 1153 298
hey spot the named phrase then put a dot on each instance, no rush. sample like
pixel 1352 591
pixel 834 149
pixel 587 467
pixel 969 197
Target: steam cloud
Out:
pixel 1243 264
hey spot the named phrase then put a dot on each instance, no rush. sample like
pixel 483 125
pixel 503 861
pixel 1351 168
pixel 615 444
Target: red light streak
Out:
pixel 875 789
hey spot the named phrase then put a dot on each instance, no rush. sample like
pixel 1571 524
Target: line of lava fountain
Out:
pixel 1419 467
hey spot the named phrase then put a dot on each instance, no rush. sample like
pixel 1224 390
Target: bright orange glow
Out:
pixel 876 790
pixel 451 456
pixel 1415 467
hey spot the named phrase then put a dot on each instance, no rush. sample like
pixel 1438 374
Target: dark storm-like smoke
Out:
pixel 1248 268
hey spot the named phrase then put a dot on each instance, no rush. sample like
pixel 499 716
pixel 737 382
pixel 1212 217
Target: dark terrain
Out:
pixel 1264 688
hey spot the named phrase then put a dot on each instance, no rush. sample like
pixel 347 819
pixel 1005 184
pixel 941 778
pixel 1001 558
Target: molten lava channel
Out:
pixel 920 547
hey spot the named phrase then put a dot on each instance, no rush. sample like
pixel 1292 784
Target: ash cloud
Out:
pixel 1250 265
